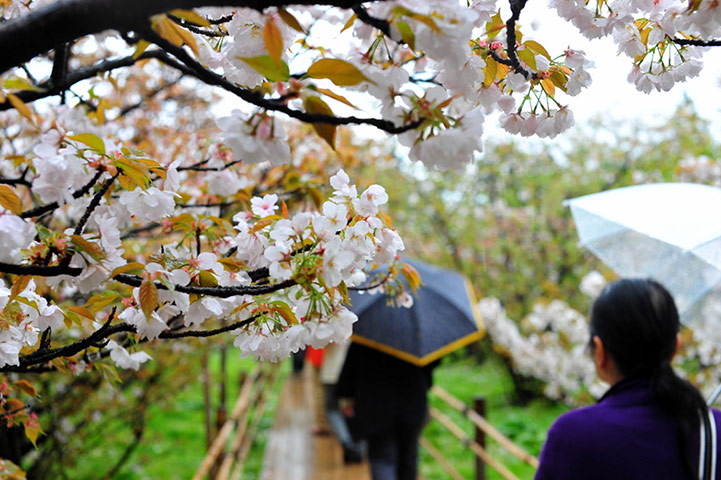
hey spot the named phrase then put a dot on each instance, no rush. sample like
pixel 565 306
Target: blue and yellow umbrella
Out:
pixel 444 317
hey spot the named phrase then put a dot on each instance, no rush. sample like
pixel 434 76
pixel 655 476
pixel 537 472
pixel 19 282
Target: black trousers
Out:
pixel 393 454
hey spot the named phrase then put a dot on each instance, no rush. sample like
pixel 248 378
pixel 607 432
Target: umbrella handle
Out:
pixel 714 396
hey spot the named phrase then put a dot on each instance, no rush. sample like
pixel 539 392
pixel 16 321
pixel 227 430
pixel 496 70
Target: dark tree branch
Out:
pixel 515 63
pixel 60 65
pixel 199 168
pixel 130 108
pixel 37 211
pixel 696 42
pixel 257 99
pixel 38 270
pixel 33 362
pixel 196 29
pixel 49 89
pixel 374 22
pixel 94 204
pixel 67 20
pixel 221 292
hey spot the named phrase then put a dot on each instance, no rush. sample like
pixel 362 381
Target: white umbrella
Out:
pixel 667 231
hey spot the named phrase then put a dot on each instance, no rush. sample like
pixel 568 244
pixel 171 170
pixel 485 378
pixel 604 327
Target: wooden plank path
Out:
pixel 292 451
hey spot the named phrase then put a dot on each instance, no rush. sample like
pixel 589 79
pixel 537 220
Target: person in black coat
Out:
pixel 390 408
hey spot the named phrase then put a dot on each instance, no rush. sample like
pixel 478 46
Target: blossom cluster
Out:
pixel 552 345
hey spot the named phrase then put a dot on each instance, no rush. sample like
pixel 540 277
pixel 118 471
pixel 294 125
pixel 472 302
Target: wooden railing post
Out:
pixel 479 405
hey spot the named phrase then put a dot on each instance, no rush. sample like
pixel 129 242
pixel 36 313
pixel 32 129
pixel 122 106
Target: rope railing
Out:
pixel 218 444
pixel 473 446
pixel 438 457
pixel 240 435
pixel 485 426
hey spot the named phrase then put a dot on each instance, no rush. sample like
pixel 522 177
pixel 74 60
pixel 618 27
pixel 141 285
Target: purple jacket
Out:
pixel 626 435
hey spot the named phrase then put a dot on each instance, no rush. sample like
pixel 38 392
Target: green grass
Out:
pixel 525 425
pixel 174 444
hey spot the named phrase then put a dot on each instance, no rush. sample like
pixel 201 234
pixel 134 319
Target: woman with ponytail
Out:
pixel 648 424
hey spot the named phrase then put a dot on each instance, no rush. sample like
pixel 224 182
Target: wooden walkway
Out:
pixel 292 451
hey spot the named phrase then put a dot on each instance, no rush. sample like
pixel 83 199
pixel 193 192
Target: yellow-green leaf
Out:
pixel 548 86
pixel 340 72
pixel 91 141
pixel 140 47
pixel 275 72
pixel 148 296
pixel 559 79
pixel 187 37
pixel 32 430
pixel 326 131
pixel 284 311
pixel 412 276
pixel 190 16
pixel 26 387
pixel 290 20
pixel 99 301
pixel 83 312
pixel 20 106
pixel 83 245
pixel 425 19
pixel 17 83
pixel 264 222
pixel 165 27
pixel 407 34
pixel 527 57
pixel 490 71
pixel 9 200
pixel 273 40
pixel 349 23
pixel 20 282
pixel 335 96
pixel 537 48
pixel 207 279
pixel 495 25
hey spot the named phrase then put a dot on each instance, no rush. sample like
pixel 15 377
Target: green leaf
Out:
pixel 527 57
pixel 91 141
pixel 275 72
pixel 495 25
pixel 407 34
pixel 17 83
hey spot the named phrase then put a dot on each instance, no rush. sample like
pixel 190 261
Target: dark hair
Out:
pixel 638 323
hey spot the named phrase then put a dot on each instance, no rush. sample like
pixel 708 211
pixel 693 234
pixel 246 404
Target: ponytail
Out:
pixel 638 323
pixel 682 400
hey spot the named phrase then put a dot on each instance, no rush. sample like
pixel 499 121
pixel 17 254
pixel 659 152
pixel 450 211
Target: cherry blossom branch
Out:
pixel 33 362
pixel 39 271
pixel 37 211
pixel 94 204
pixel 371 287
pixel 49 88
pixel 258 100
pixel 196 29
pixel 220 292
pixel 696 42
pixel 374 22
pixel 514 62
pixel 130 108
pixel 67 20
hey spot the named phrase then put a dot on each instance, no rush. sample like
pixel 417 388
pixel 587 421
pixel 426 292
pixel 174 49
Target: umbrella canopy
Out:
pixel 667 231
pixel 443 318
